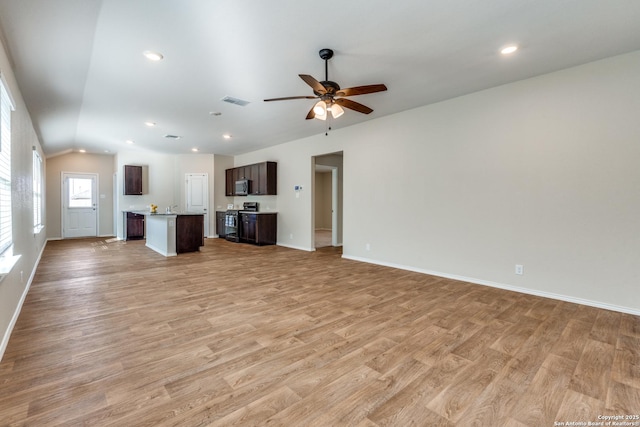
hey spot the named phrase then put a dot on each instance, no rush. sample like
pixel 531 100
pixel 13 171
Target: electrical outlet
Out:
pixel 291 236
pixel 519 269
pixel 368 247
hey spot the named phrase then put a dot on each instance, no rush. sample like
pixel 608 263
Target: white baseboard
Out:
pixel 560 297
pixel 300 248
pixel 5 339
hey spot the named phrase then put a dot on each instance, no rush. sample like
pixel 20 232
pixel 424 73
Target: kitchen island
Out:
pixel 174 233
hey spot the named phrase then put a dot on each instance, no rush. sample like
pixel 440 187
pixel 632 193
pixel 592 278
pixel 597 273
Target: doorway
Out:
pixel 198 196
pixel 79 205
pixel 327 200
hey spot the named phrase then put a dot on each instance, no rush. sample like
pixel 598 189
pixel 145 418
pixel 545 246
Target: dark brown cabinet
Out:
pixel 132 180
pixel 220 224
pixel 259 228
pixel 229 183
pixel 189 233
pixel 263 178
pixel 134 227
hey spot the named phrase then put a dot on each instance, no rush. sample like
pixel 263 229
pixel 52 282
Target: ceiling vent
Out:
pixel 232 100
pixel 172 136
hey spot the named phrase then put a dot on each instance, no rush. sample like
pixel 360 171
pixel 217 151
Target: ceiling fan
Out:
pixel 329 93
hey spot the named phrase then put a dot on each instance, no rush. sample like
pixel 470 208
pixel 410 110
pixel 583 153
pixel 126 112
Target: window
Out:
pixel 80 190
pixel 37 192
pixel 6 106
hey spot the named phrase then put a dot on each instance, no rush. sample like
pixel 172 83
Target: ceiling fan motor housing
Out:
pixel 331 87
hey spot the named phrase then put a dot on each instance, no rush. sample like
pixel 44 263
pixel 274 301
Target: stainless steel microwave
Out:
pixel 242 187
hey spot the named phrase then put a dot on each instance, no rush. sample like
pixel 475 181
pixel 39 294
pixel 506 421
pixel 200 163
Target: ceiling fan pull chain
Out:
pixel 327 128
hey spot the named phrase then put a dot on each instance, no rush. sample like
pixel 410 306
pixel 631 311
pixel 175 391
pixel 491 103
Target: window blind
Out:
pixel 6 107
pixel 37 191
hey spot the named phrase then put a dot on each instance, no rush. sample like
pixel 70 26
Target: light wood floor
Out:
pixel 113 334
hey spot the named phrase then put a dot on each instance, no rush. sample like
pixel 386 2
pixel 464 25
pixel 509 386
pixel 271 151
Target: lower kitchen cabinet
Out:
pixel 220 224
pixel 258 228
pixel 189 233
pixel 134 226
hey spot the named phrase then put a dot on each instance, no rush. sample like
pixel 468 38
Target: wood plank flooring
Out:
pixel 113 334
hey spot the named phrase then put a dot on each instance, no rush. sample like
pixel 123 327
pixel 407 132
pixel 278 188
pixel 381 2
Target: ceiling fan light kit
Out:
pixel 327 92
pixel 336 111
pixel 320 109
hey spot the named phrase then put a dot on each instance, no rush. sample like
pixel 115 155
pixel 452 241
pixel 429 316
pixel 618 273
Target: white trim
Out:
pixel 566 298
pixel 12 101
pixel 300 248
pixel 63 212
pixel 7 262
pixel 5 339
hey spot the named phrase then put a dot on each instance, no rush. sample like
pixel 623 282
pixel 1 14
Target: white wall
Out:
pixel 221 164
pixel 542 172
pixel 100 164
pixel 14 287
pixel 166 181
pixel 295 167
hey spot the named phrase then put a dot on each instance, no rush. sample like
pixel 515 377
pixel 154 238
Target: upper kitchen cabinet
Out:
pixel 263 179
pixel 264 176
pixel 132 180
pixel 229 183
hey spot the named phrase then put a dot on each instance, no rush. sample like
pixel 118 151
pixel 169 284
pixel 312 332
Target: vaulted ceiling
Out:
pixel 87 85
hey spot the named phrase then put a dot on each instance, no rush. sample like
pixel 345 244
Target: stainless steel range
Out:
pixel 232 220
pixel 231 223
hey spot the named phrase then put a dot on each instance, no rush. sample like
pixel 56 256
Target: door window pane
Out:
pixel 80 192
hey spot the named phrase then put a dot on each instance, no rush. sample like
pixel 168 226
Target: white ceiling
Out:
pixel 80 66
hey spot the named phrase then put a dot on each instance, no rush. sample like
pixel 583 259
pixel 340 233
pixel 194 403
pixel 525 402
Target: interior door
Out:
pixel 79 205
pixel 198 196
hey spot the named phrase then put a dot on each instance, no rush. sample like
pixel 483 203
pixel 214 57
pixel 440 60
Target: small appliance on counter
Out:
pixel 250 206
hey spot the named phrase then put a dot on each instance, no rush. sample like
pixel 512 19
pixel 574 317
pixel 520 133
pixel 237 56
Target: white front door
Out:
pixel 198 196
pixel 79 205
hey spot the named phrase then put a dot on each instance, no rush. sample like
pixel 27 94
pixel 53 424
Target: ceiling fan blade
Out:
pixel 290 97
pixel 315 85
pixel 311 114
pixel 352 105
pixel 361 90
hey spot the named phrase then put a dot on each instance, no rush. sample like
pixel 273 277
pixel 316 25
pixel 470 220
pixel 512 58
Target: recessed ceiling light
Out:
pixel 226 136
pixel 152 56
pixel 150 124
pixel 129 141
pixel 82 150
pixel 509 50
pixel 194 149
pixel 215 113
pixel 172 136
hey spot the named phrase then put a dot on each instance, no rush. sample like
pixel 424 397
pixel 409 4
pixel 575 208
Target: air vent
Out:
pixel 172 136
pixel 232 100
